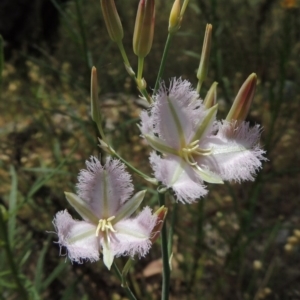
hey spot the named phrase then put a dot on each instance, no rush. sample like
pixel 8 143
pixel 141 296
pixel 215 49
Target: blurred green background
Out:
pixel 241 242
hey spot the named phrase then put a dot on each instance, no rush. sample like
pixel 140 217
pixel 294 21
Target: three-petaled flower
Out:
pixel 194 146
pixel 102 202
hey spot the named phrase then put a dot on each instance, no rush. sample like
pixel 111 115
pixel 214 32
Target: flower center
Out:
pixel 188 152
pixel 105 225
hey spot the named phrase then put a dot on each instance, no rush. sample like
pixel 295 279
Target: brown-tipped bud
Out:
pixel 112 20
pixel 210 99
pixel 95 112
pixel 203 66
pixel 161 214
pixel 241 105
pixel 144 28
pixel 175 19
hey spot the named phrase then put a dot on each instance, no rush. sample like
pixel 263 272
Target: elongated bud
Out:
pixel 95 112
pixel 210 99
pixel 174 19
pixel 144 28
pixel 112 20
pixel 241 105
pixel 203 67
pixel 161 215
pixel 183 8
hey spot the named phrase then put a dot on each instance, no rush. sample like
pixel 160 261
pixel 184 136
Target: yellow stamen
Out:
pixel 191 150
pixel 105 225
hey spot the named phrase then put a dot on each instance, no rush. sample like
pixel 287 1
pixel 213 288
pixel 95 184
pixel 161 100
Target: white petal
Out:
pixel 176 112
pixel 175 173
pixel 236 154
pixel 133 235
pixel 77 236
pixel 104 187
pixel 146 122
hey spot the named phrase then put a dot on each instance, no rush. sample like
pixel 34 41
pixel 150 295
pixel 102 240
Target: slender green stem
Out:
pixel 123 53
pixel 129 293
pixel 130 166
pixel 198 243
pixel 140 68
pixel 10 259
pixel 131 73
pixel 163 62
pixel 83 36
pixel 165 255
pixel 171 230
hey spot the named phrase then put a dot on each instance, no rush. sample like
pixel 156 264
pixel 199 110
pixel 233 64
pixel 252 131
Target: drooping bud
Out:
pixel 203 66
pixel 161 214
pixel 174 19
pixel 241 105
pixel 144 28
pixel 112 20
pixel 210 99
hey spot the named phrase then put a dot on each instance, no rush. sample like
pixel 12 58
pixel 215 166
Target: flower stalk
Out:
pixel 165 254
pixel 174 25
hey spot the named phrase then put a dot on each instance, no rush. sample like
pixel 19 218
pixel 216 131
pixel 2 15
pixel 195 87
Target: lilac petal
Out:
pixel 77 236
pixel 236 154
pixel 175 173
pixel 133 235
pixel 147 125
pixel 175 113
pixel 104 187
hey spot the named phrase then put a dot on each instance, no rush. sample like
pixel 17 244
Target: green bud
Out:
pixel 211 97
pixel 174 19
pixel 241 105
pixel 144 28
pixel 112 20
pixel 95 112
pixel 203 67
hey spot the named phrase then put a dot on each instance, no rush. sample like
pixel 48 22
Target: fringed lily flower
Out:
pixel 102 202
pixel 194 147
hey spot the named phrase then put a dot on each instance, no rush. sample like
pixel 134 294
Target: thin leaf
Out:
pixel 12 205
pixel 54 274
pixel 40 265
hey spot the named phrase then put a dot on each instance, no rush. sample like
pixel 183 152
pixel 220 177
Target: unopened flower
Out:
pixel 102 202
pixel 144 28
pixel 194 146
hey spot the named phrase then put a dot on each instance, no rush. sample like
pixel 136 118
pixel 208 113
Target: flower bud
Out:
pixel 112 20
pixel 210 99
pixel 241 105
pixel 144 28
pixel 203 66
pixel 95 112
pixel 161 214
pixel 175 18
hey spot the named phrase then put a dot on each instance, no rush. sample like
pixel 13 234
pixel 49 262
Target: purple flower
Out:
pixel 102 202
pixel 194 146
